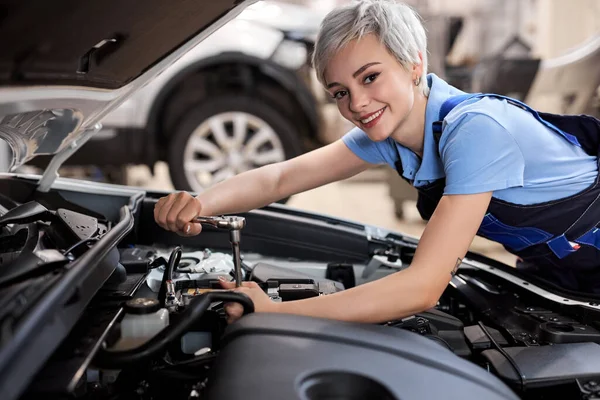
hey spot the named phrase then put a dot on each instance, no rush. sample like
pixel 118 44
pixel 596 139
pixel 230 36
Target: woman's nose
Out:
pixel 358 101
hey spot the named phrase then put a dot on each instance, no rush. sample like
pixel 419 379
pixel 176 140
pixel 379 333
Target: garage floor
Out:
pixel 363 198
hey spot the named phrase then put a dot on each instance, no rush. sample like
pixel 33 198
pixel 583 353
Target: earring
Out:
pixel 417 81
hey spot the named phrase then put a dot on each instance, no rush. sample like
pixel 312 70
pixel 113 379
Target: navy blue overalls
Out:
pixel 558 241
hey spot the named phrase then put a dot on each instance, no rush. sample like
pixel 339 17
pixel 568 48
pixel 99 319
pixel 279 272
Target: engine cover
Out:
pixel 309 358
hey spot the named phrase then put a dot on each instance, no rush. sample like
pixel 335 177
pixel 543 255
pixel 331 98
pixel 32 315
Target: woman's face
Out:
pixel 371 88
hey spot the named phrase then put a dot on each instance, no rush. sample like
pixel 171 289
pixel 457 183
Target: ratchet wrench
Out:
pixel 234 225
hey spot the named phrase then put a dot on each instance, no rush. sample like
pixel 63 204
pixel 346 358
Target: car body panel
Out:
pixel 284 16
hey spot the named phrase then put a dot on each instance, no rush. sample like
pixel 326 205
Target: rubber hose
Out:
pixel 174 259
pixel 173 262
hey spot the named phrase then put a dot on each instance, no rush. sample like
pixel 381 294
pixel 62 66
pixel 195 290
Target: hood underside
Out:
pixel 65 64
pixel 97 43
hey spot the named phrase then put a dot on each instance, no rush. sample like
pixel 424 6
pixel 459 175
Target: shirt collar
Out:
pixel 431 167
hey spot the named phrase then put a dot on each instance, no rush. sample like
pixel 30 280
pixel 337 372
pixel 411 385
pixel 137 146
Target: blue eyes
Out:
pixel 367 80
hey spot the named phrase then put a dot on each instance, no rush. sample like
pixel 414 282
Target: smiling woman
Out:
pixel 474 159
pixel 400 31
pixel 377 96
pixel 368 59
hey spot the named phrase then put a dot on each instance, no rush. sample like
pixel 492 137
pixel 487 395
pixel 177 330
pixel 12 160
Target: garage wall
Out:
pixel 562 25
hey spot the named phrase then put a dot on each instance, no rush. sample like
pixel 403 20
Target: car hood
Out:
pixel 65 64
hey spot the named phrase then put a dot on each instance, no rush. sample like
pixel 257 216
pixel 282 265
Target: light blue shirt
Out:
pixel 487 145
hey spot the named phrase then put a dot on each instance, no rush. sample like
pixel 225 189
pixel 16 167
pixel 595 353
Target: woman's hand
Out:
pixel 175 211
pixel 262 302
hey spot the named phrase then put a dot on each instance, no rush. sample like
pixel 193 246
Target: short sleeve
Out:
pixel 480 155
pixel 365 148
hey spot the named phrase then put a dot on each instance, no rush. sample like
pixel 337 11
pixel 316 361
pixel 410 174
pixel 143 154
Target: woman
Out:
pixel 482 165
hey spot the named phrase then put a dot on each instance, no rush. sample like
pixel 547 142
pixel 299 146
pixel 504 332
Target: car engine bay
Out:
pixel 101 303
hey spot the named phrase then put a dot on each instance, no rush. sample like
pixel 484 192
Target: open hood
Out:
pixel 65 64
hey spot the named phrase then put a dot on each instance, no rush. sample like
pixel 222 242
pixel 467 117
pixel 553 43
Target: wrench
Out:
pixel 234 225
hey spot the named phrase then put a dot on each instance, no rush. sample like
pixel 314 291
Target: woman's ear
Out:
pixel 418 68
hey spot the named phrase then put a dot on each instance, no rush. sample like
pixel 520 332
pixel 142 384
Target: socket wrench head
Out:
pixel 234 225
pixel 224 222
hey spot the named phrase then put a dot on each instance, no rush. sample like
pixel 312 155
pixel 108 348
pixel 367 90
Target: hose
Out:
pixel 173 262
pixel 174 259
pixel 117 359
pixel 81 242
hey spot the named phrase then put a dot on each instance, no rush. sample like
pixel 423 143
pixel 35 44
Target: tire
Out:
pixel 200 154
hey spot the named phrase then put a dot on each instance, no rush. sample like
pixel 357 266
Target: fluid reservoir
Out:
pixel 143 319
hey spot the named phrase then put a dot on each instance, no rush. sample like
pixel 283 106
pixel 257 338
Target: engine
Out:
pixel 175 330
pixel 171 330
pixel 171 334
pixel 136 318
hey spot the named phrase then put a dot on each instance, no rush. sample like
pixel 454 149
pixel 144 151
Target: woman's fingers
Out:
pixel 176 211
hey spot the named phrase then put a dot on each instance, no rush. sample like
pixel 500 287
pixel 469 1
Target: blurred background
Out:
pixel 247 96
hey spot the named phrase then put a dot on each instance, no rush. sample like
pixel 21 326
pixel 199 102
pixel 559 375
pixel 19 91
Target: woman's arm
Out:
pixel 265 185
pixel 259 187
pixel 443 244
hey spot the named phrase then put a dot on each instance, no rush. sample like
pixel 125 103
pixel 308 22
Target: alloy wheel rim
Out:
pixel 227 144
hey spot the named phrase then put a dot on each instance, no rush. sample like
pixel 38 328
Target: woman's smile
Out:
pixel 371 119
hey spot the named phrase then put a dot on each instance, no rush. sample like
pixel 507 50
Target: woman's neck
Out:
pixel 411 133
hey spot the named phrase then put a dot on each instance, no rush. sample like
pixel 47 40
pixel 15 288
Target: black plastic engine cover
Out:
pixel 545 366
pixel 309 358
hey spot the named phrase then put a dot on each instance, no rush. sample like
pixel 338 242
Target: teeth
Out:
pixel 372 117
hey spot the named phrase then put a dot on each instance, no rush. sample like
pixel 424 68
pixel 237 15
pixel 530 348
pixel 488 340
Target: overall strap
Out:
pixel 447 106
pixel 453 101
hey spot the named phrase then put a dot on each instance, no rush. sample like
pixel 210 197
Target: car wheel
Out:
pixel 225 136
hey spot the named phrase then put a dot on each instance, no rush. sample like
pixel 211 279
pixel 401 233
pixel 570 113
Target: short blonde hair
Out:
pixel 396 25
